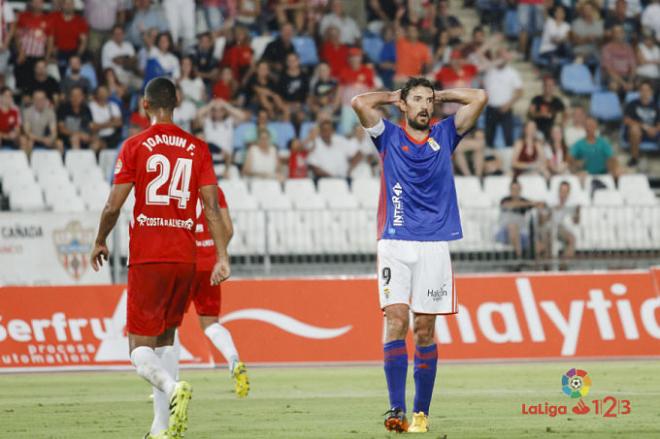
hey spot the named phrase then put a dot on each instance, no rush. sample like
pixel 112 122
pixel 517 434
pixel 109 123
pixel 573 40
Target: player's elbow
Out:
pixel 482 97
pixel 357 103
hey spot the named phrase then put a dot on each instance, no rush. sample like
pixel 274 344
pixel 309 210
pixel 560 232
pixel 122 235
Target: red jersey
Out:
pixel 238 58
pixel 450 78
pixel 206 255
pixel 9 120
pixel 167 167
pixel 364 75
pixel 33 32
pixel 66 33
pixel 336 57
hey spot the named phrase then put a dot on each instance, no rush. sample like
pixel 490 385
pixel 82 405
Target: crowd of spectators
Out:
pixel 268 82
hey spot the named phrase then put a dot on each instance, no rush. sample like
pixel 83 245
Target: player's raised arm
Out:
pixel 109 217
pixel 366 105
pixel 473 100
pixel 220 232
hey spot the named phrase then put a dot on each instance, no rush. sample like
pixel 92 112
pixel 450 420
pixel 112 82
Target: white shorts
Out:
pixel 418 274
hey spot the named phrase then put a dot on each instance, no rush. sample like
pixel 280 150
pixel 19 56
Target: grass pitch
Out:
pixel 471 401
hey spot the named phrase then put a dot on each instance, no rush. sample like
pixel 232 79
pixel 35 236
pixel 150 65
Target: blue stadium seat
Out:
pixel 644 146
pixel 372 46
pixel 631 96
pixel 242 132
pixel 536 54
pixel 605 106
pixel 511 26
pixel 576 79
pixel 284 132
pixel 306 50
pixel 306 128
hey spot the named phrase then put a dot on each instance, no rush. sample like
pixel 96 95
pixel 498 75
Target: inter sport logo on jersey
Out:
pixel 397 190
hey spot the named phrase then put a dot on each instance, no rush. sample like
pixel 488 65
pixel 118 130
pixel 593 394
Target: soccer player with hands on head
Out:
pixel 417 216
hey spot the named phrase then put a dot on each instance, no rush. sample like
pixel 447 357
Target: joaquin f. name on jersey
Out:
pixel 418 196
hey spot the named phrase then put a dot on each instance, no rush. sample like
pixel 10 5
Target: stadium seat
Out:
pixel 631 96
pixel 641 198
pixel 68 203
pixel 43 159
pixel 335 191
pixel 605 106
pixel 630 184
pixel 234 173
pixel 367 192
pixel 306 128
pixel 535 53
pixel 50 176
pixel 306 49
pixel 258 45
pixel 95 195
pixel 26 197
pixel 76 160
pixel 269 194
pixel 607 197
pixel 89 175
pixel 11 160
pixel 511 24
pixel 302 194
pixel 533 187
pixel 594 181
pixel 17 177
pixel 237 195
pixel 284 132
pixel 107 162
pixel 577 79
pixel 243 133
pixel 497 187
pixel 372 47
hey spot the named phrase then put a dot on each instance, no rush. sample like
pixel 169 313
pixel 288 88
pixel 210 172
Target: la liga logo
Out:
pixel 576 383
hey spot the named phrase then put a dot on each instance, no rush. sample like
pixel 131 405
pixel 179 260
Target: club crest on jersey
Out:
pixel 435 146
pixel 73 243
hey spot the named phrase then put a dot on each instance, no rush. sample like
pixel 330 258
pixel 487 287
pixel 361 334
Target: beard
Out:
pixel 419 125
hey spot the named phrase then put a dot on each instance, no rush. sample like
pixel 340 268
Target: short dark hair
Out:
pixel 565 183
pixel 160 92
pixel 415 82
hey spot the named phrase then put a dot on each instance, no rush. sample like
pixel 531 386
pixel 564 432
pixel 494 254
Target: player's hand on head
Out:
pixel 99 254
pixel 221 271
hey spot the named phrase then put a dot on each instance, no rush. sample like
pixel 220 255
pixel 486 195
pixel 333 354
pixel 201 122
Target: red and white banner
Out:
pixel 501 317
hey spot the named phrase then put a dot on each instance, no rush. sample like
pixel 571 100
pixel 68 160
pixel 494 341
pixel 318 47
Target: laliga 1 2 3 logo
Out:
pixel 576 383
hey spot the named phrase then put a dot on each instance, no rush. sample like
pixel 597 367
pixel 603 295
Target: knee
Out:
pixel 635 130
pixel 424 335
pixel 397 327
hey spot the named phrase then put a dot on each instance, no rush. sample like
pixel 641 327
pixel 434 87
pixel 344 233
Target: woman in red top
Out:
pixel 528 154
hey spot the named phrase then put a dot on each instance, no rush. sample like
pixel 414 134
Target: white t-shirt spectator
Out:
pixel 102 14
pixel 6 17
pixel 348 30
pixel 652 55
pixel 263 162
pixel 333 158
pixel 651 19
pixel 553 31
pixel 573 133
pixel 168 61
pixel 112 50
pixel 220 133
pixel 367 148
pixel 192 89
pixel 184 114
pixel 103 114
pixel 501 84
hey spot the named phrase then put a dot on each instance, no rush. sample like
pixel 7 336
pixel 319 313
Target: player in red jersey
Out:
pixel 206 297
pixel 169 169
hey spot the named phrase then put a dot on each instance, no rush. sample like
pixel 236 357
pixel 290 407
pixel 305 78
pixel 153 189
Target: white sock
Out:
pixel 161 400
pixel 221 339
pixel 176 347
pixel 150 367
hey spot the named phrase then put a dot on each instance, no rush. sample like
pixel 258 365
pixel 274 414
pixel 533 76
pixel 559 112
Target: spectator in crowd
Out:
pixel 277 50
pixel 563 223
pixel 261 92
pixel 69 34
pixel 531 14
pixel 324 96
pixel 633 7
pixel 33 33
pixel 238 56
pixel 292 11
pixel 387 59
pixel 203 56
pixel 118 91
pixel 473 145
pixel 293 84
pixel 547 109
pixel 216 13
pixel 641 122
pixel 146 15
pixel 593 154
pixel 218 119
pixel 619 63
pixel 450 23
pixel 119 55
pixel 74 77
pixel 361 143
pixel 248 13
pixel 106 120
pixel 149 37
pixel 618 17
pixel 651 18
pixel 333 52
pixel 226 87
pixel 332 155
pixel 41 81
pixel 102 16
pixel 413 57
pixel 191 85
pixel 73 121
pixel 180 16
pixel 10 120
pixel 575 129
pixel 357 78
pixel 457 73
pixel 165 61
pixel 39 125
pixel 556 152
pixel 297 159
pixel 528 154
pixel 504 87
pixel 349 32
pixel 443 51
pixel 514 228
pixel 648 59
pixel 587 33
pixel 555 43
pixel 7 32
pixel 185 113
pixel 262 160
pixel 139 120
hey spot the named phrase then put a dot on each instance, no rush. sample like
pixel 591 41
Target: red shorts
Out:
pixel 205 296
pixel 157 296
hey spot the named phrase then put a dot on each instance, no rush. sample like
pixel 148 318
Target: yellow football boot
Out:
pixel 420 423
